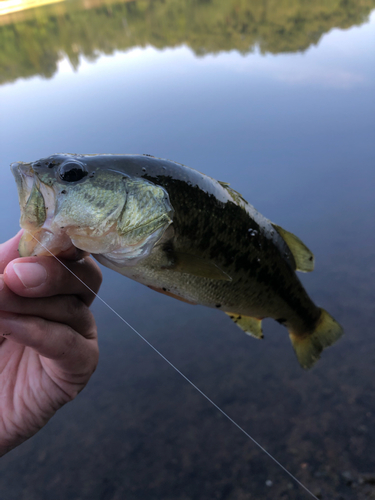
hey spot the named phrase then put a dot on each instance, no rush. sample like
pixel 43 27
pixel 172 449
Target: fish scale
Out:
pixel 179 232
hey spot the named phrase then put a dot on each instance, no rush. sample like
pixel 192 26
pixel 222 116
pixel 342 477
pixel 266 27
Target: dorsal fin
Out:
pixel 303 257
pixel 224 184
pixel 236 196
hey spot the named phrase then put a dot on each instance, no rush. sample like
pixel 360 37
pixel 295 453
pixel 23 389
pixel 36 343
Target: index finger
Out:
pixel 47 276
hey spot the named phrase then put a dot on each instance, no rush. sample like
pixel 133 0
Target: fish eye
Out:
pixel 72 172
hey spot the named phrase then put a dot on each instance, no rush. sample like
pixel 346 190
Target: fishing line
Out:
pixel 182 375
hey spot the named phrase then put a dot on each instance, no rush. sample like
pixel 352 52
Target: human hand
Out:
pixel 48 338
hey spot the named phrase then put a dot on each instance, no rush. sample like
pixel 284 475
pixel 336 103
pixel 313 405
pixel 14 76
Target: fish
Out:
pixel 177 231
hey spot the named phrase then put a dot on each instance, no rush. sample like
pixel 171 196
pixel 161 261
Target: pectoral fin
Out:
pixel 251 326
pixel 302 255
pixel 191 264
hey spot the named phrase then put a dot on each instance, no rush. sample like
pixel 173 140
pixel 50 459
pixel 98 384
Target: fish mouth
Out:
pixel 38 205
pixel 36 199
pixel 24 176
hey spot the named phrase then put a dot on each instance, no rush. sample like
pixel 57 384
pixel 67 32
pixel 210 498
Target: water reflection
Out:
pixel 33 41
pixel 294 134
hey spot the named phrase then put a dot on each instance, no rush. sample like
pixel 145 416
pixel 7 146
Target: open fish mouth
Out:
pixel 24 176
pixel 37 202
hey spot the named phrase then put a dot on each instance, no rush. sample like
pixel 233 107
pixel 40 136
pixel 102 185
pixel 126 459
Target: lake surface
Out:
pixel 276 98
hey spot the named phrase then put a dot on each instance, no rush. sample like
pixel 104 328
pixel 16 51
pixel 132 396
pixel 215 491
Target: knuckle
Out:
pixel 97 271
pixel 70 342
pixel 73 306
pixel 80 316
pixel 89 329
pixel 94 274
pixel 90 320
pixel 40 330
pixel 89 278
pixel 94 359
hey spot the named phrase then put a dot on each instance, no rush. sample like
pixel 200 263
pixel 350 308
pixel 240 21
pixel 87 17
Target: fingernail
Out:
pixel 31 274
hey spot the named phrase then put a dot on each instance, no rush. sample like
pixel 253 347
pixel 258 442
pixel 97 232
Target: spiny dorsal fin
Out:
pixel 224 184
pixel 251 326
pixel 303 257
pixel 236 196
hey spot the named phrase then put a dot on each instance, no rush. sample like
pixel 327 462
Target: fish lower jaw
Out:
pixel 41 242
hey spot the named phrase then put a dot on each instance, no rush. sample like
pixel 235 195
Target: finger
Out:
pixel 66 309
pixel 9 250
pixel 46 277
pixel 72 353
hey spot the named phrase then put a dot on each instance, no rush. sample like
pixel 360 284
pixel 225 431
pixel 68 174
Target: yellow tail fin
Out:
pixel 309 347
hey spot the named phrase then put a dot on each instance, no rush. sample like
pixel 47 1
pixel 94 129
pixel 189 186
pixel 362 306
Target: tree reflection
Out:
pixel 32 42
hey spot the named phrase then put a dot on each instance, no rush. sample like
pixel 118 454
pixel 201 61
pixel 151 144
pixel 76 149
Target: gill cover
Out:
pixel 109 213
pixel 146 215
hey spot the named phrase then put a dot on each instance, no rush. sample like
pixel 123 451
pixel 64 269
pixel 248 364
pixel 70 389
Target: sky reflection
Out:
pixel 252 111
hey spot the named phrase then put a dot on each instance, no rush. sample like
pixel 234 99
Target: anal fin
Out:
pixel 251 326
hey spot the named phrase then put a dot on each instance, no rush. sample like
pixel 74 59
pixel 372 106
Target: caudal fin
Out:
pixel 309 347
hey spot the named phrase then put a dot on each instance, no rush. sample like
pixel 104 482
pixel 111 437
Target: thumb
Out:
pixel 9 251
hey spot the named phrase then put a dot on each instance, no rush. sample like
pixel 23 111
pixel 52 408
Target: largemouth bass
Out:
pixel 177 231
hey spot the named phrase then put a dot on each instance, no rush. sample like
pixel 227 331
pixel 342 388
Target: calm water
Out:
pixel 278 100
